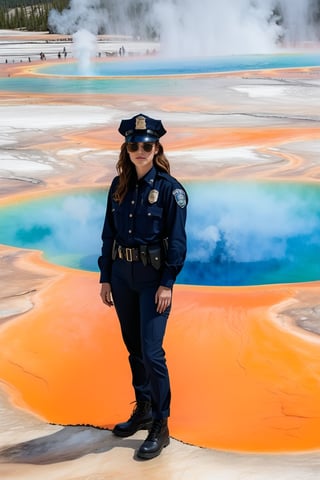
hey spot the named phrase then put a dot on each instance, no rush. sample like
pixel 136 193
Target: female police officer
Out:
pixel 143 250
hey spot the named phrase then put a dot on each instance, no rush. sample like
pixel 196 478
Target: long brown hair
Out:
pixel 126 169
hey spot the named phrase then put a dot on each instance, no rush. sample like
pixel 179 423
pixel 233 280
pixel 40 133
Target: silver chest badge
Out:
pixel 153 196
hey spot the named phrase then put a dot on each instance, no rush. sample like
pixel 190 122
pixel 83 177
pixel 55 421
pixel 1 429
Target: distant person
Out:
pixel 143 250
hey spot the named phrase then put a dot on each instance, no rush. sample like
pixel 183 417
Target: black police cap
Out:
pixel 141 128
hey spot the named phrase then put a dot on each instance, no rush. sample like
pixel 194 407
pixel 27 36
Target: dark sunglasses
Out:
pixel 134 146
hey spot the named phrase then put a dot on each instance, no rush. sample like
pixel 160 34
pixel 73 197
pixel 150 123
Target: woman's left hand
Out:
pixel 163 298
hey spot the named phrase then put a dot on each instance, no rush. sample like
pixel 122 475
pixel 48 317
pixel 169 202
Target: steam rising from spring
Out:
pixel 186 27
pixel 239 233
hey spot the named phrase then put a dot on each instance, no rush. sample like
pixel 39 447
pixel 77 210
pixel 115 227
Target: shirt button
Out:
pixel 130 215
pixel 132 202
pixel 149 214
pixel 130 231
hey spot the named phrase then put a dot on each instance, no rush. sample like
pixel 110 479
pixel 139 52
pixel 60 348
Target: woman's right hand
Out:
pixel 106 294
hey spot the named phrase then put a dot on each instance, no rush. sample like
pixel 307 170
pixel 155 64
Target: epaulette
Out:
pixel 168 177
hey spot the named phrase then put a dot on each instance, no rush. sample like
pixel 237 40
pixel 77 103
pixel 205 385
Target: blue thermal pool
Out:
pixel 150 76
pixel 239 233
pixel 157 65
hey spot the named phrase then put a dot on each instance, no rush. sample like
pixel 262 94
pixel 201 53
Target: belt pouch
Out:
pixel 155 257
pixel 143 254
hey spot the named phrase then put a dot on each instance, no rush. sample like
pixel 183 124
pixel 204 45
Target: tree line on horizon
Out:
pixel 29 15
pixel 32 15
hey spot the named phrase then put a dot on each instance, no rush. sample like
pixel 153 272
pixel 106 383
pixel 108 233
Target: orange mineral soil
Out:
pixel 243 377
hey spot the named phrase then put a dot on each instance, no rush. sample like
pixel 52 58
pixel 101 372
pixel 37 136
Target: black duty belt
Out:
pixel 129 254
pixel 147 254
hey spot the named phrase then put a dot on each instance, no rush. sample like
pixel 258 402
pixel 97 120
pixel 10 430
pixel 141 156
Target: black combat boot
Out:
pixel 140 419
pixel 157 439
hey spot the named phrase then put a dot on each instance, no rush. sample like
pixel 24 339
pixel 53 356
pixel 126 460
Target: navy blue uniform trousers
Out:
pixel 133 288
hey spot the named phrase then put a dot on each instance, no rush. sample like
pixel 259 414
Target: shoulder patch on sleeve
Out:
pixel 180 197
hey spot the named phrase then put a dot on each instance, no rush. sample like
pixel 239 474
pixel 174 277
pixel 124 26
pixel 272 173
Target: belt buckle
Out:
pixel 129 254
pixel 120 252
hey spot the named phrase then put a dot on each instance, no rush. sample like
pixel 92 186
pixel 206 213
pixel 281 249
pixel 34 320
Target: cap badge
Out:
pixel 141 123
pixel 153 196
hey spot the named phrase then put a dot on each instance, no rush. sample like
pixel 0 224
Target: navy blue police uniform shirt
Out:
pixel 153 209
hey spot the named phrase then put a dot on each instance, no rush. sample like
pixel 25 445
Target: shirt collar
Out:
pixel 150 177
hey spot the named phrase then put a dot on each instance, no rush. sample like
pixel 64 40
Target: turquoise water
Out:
pixel 63 78
pixel 238 233
pixel 157 66
pixel 83 85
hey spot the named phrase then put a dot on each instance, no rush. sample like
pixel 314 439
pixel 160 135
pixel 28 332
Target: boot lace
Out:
pixel 155 430
pixel 140 408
